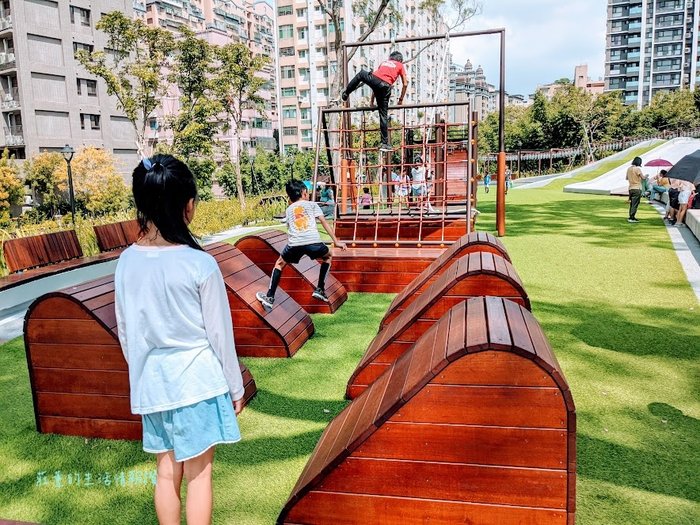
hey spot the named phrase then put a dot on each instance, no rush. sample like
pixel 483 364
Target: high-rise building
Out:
pixel 47 99
pixel 652 46
pixel 221 22
pixel 308 65
pixel 469 85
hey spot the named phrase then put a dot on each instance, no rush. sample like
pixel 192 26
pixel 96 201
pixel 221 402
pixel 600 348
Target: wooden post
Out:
pixel 501 194
pixel 343 181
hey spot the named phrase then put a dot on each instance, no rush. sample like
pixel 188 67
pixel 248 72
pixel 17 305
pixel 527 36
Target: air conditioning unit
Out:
pixel 10 57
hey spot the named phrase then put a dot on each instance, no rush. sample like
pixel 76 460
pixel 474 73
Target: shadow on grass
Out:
pixel 657 465
pixel 257 451
pixel 320 411
pixel 635 330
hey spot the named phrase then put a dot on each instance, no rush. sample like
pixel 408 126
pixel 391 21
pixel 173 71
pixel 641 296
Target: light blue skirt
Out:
pixel 191 430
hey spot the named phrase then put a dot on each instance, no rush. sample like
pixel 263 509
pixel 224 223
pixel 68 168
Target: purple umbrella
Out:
pixel 659 163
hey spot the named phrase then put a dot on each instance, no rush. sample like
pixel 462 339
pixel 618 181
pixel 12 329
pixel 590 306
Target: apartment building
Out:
pixel 221 22
pixel 470 85
pixel 652 46
pixel 47 99
pixel 308 65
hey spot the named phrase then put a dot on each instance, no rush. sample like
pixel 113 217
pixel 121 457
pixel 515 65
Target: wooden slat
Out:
pixel 545 448
pixel 324 507
pixel 449 482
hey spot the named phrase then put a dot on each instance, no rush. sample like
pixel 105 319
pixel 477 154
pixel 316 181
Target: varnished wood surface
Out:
pixel 478 241
pixel 298 280
pixel 116 235
pixel 435 440
pixel 477 274
pixel 381 270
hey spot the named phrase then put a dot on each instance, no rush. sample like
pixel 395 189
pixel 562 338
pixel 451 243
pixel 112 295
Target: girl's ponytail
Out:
pixel 162 187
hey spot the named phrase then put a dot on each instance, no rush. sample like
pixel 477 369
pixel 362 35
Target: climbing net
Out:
pixel 426 182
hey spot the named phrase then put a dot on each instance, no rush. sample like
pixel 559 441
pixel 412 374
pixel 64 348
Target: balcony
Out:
pixel 14 136
pixel 635 11
pixel 634 41
pixel 7 61
pixel 633 55
pixel 5 23
pixel 10 100
pixel 634 26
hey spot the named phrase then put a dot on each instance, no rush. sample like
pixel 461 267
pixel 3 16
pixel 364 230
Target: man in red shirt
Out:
pixel 381 82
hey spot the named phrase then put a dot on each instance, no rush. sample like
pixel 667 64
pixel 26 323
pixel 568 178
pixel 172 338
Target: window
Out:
pixel 304 74
pixel 290 131
pixel 321 51
pixel 301 33
pixel 320 31
pixel 87 119
pixel 78 15
pixel 87 86
pixel 287 71
pixel 322 71
pixel 286 31
pixel 323 92
pixel 301 12
pixel 289 112
pixel 305 115
pixel 302 53
pixel 153 124
pixel 289 92
pixel 306 135
pixel 77 46
pixel 284 10
pixel 331 26
pixel 287 51
pixel 304 94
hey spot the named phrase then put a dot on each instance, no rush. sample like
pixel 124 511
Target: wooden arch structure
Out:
pixel 478 274
pixel 474 424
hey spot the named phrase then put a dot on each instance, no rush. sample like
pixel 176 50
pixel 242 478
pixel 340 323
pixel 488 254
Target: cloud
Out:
pixel 545 40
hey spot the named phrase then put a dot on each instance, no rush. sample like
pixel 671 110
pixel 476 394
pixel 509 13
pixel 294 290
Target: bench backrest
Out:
pixel 24 253
pixel 116 235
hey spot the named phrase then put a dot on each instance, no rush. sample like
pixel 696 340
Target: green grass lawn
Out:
pixel 612 299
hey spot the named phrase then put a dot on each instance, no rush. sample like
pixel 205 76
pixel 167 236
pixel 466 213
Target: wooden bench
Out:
pixel 279 332
pixel 298 280
pixel 78 375
pixel 38 256
pixel 478 274
pixel 475 424
pixel 474 242
pixel 117 235
pixel 381 270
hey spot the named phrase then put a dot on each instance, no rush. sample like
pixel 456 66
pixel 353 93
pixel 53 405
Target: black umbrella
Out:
pixel 688 168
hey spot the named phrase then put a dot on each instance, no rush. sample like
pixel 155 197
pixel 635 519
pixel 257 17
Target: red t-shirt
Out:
pixel 389 71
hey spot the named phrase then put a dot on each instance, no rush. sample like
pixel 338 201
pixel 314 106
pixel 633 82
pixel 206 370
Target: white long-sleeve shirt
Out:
pixel 175 328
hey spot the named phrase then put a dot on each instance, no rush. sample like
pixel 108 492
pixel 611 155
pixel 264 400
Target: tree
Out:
pixel 672 110
pixel 132 68
pixel 11 187
pixel 99 189
pixel 238 82
pixel 196 125
pixel 40 174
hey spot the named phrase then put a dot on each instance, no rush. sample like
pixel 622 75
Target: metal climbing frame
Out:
pixel 422 193
pixel 501 33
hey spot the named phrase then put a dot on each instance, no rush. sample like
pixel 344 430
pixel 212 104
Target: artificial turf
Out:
pixel 611 297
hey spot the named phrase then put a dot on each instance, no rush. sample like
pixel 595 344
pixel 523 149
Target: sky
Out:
pixel 545 40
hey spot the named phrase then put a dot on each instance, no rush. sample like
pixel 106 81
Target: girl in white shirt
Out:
pixel 176 333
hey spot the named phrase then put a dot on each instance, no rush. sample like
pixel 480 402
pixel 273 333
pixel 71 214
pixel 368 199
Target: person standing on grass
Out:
pixel 381 82
pixel 175 330
pixel 487 182
pixel 634 179
pixel 304 239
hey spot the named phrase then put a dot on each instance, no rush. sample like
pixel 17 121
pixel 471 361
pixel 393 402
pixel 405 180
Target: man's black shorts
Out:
pixel 293 254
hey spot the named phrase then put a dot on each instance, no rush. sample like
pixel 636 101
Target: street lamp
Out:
pixel 68 153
